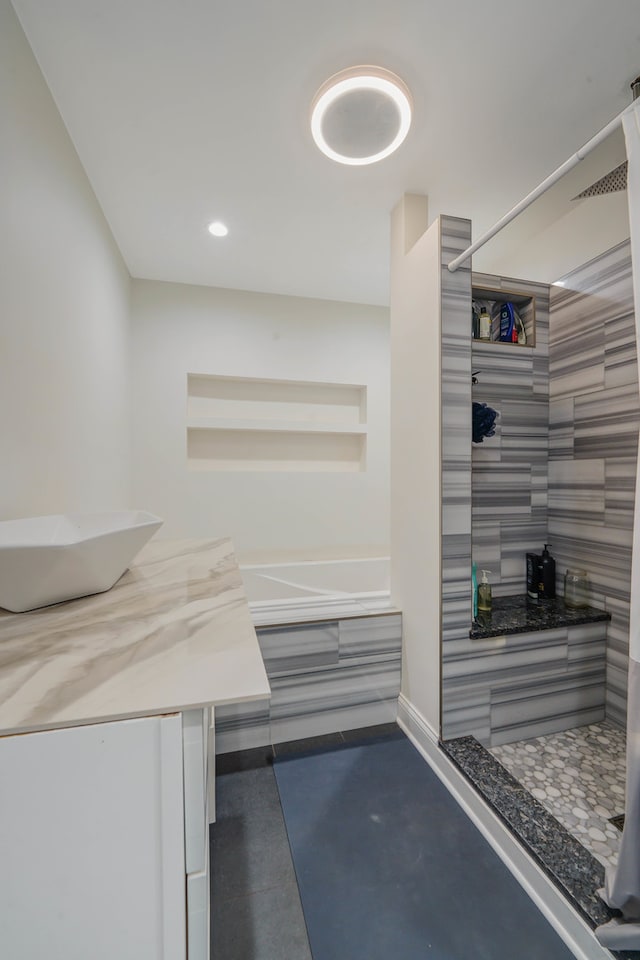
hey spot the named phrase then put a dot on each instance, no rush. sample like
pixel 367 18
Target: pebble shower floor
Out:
pixel 579 776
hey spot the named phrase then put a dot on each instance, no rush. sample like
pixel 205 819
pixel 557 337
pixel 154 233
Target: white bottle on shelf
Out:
pixel 485 325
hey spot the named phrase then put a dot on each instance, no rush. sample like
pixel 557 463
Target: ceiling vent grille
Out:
pixel 612 182
pixel 615 180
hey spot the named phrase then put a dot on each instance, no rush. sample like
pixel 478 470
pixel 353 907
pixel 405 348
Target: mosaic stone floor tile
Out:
pixel 579 777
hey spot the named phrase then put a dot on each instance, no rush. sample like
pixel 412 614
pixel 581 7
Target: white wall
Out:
pixel 415 451
pixel 179 329
pixel 64 295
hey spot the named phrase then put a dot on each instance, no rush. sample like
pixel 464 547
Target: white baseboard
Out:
pixel 567 923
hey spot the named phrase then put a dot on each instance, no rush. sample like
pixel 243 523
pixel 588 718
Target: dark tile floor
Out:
pixel 256 911
pixel 390 866
pixel 256 907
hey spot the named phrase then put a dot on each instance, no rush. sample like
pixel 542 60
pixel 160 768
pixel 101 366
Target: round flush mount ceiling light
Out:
pixel 218 229
pixel 361 115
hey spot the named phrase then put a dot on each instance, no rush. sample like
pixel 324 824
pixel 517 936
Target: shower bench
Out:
pixel 526 669
pixel 520 614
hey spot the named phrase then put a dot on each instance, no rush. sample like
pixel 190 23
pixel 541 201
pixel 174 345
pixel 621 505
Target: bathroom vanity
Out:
pixel 107 708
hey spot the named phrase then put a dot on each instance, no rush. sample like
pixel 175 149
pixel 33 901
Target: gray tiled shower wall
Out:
pixel 455 356
pixel 594 419
pixel 561 468
pixel 509 470
pixel 502 689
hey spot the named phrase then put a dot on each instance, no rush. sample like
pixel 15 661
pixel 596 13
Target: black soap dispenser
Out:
pixel 547 575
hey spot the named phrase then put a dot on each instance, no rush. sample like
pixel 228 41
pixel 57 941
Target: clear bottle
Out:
pixel 576 588
pixel 484 593
pixel 485 325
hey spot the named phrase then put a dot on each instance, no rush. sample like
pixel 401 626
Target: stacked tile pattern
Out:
pixel 501 689
pixel 594 420
pixel 455 236
pixel 509 470
pixel 324 677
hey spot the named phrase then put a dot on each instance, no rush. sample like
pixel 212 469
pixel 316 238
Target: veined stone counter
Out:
pixel 512 615
pixel 173 634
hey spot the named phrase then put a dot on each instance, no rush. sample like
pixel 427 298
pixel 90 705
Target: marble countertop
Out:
pixel 510 615
pixel 174 633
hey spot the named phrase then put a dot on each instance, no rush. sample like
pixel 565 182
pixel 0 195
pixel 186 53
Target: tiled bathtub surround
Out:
pixel 324 677
pixel 579 777
pixel 274 612
pixel 594 419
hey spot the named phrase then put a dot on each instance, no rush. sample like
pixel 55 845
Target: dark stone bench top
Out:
pixel 519 614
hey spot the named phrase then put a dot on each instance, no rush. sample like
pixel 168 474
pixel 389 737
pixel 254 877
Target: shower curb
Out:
pixel 565 861
pixel 569 865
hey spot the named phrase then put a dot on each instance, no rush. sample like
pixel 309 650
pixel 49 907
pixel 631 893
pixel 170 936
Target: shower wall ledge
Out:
pixel 513 615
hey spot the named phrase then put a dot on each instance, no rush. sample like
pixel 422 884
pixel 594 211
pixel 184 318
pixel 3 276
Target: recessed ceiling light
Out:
pixel 218 229
pixel 361 115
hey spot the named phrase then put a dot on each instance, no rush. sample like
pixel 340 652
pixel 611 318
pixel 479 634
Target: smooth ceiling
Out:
pixel 184 112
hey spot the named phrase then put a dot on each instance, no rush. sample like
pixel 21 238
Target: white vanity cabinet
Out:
pixel 104 841
pixel 107 757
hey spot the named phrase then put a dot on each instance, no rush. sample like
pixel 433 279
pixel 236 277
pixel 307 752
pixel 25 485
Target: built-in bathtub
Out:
pixel 281 593
pixel 331 642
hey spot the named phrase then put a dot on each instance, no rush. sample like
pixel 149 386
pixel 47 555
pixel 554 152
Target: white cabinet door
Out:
pixel 211 767
pixel 198 915
pixel 195 729
pixel 196 733
pixel 92 843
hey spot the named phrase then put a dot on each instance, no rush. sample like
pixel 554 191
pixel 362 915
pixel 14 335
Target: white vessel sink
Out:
pixel 46 560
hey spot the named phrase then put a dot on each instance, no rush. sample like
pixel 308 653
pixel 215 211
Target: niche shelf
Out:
pixel 493 298
pixel 238 423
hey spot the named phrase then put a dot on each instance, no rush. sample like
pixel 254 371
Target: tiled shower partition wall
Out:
pixel 501 689
pixel 455 360
pixel 594 419
pixel 509 470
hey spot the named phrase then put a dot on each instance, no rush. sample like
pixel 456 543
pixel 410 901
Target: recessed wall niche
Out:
pixel 493 297
pixel 239 423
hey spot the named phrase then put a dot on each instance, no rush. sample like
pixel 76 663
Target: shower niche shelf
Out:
pixel 240 424
pixel 493 298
